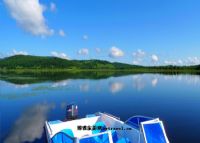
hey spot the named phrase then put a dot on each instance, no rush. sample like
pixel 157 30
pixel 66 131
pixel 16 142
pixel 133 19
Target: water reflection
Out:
pixel 190 79
pixel 14 85
pixel 21 86
pixel 84 87
pixel 116 86
pixel 61 83
pixel 154 82
pixel 29 126
pixel 63 105
pixel 139 82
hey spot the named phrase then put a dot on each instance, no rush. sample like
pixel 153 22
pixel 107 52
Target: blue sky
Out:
pixel 143 32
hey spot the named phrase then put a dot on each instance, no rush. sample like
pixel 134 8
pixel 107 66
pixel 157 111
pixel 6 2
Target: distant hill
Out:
pixel 38 62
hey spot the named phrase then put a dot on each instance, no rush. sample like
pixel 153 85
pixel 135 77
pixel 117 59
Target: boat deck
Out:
pixel 99 128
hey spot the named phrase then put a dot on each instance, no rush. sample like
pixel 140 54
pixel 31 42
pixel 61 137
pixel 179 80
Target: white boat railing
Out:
pixel 49 128
pixel 98 134
pixel 112 116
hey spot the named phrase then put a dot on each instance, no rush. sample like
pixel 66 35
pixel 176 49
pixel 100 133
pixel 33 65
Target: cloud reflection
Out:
pixel 29 126
pixel 21 85
pixel 84 87
pixel 61 83
pixel 138 82
pixel 190 79
pixel 63 105
pixel 154 82
pixel 16 85
pixel 116 86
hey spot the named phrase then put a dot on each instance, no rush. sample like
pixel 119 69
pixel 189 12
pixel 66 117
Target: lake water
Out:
pixel 175 99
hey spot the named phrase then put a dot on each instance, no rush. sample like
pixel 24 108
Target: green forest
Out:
pixel 39 63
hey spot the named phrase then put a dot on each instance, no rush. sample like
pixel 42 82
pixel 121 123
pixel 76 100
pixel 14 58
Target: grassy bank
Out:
pixel 38 66
pixel 133 70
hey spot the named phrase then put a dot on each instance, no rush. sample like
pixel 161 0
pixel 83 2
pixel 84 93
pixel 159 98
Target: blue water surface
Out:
pixel 175 99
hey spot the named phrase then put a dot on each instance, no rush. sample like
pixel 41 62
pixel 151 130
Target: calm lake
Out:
pixel 175 99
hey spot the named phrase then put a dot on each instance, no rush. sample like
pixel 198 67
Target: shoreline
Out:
pixel 137 70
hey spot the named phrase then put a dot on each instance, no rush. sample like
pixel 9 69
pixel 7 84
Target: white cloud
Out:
pixel 116 52
pixel 180 62
pixel 14 52
pixel 60 55
pixel 169 62
pixel 154 58
pixel 116 87
pixel 188 61
pixel 2 55
pixel 83 51
pixel 61 33
pixel 98 50
pixel 139 54
pixel 135 62
pixel 85 37
pixel 52 6
pixel 29 15
pixel 193 60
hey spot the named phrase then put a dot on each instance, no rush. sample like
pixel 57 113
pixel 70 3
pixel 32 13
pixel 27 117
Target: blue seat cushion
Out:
pixel 55 122
pixel 63 137
pixel 68 132
pixel 99 124
pixel 90 115
pixel 114 136
pixel 103 138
